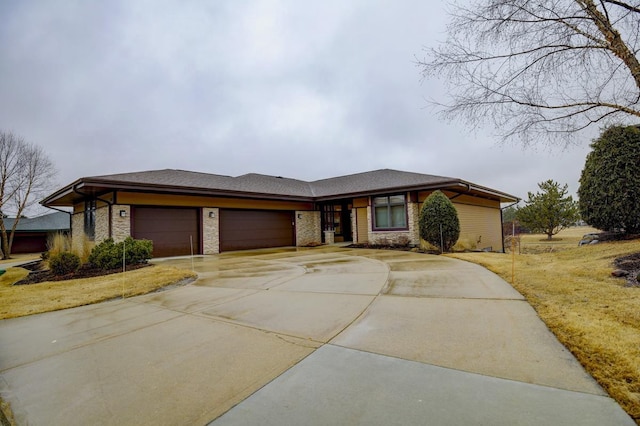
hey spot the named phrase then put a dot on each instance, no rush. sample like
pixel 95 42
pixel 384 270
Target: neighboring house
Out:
pixel 32 233
pixel 183 211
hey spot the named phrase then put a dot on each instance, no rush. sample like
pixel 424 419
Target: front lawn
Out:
pixel 593 314
pixel 20 300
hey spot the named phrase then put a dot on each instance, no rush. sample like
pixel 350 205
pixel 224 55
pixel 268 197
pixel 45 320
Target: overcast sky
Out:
pixel 300 89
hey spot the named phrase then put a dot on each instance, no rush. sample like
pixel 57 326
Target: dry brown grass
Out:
pixel 593 314
pixel 20 300
pixel 6 415
pixel 19 258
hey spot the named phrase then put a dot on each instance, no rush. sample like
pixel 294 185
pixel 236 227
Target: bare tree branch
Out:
pixel 624 5
pixel 540 70
pixel 26 174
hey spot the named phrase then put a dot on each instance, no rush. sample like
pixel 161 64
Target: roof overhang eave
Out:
pixel 382 191
pixel 445 185
pixel 70 194
pixel 82 188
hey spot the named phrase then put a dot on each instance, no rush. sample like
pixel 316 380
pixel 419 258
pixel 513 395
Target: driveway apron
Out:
pixel 318 336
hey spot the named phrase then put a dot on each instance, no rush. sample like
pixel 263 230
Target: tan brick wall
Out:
pixel 211 231
pixel 120 226
pixel 308 228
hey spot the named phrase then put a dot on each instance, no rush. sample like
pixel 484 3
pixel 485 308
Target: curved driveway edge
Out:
pixel 309 336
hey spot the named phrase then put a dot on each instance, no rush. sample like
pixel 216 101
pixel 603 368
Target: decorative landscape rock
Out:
pixel 619 273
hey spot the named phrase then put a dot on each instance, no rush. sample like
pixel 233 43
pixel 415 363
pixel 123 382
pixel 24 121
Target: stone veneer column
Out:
pixel 120 226
pixel 77 232
pixel 102 224
pixel 371 236
pixel 308 226
pixel 211 230
pixel 354 226
pixel 413 212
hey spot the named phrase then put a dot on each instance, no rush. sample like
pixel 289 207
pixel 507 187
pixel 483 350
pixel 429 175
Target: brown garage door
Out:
pixel 172 230
pixel 249 229
pixel 29 242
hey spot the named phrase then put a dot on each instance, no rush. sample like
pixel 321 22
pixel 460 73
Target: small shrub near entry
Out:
pixel 105 255
pixel 108 254
pixel 64 263
pixel 439 224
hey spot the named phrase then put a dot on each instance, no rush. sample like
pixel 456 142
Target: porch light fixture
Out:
pixel 123 213
pixel 299 215
pixel 212 215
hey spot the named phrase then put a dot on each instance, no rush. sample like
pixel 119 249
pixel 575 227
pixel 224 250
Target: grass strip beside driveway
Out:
pixel 21 300
pixel 593 314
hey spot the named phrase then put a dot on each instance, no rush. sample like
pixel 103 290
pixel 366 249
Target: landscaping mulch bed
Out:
pixel 39 274
pixel 397 247
pixel 381 246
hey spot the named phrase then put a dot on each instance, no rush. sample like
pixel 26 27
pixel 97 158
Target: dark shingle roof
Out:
pixel 57 221
pixel 260 186
pixel 254 182
pixel 167 177
pixel 374 181
pixel 249 183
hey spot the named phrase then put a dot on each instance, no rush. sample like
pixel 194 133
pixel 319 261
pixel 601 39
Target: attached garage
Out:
pixel 173 230
pixel 250 229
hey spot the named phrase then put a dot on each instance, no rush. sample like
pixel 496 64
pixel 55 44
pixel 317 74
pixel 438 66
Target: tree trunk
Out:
pixel 5 241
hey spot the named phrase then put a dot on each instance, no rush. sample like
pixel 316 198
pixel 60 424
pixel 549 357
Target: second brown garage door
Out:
pixel 249 229
pixel 172 230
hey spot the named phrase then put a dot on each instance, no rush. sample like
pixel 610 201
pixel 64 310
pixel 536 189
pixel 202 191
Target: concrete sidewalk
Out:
pixel 316 336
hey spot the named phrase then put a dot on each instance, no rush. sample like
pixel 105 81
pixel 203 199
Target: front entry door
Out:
pixel 337 217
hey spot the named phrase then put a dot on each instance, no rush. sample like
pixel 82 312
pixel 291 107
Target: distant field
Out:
pixel 567 238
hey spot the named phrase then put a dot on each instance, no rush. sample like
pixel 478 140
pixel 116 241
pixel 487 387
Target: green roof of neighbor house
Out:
pixel 255 185
pixel 51 222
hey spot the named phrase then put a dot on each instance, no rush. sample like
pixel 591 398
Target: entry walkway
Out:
pixel 311 336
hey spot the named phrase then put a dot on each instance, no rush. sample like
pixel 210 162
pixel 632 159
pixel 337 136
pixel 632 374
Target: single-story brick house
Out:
pixel 32 233
pixel 182 210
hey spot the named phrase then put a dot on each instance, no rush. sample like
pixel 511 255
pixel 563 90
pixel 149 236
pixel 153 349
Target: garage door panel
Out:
pixel 172 230
pixel 248 229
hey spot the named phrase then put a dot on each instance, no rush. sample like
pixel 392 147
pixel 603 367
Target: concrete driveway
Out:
pixel 310 336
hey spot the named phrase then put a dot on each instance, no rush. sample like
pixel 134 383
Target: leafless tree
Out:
pixel 540 70
pixel 26 175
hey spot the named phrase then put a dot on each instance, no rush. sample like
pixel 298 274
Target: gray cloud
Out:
pixel 299 89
